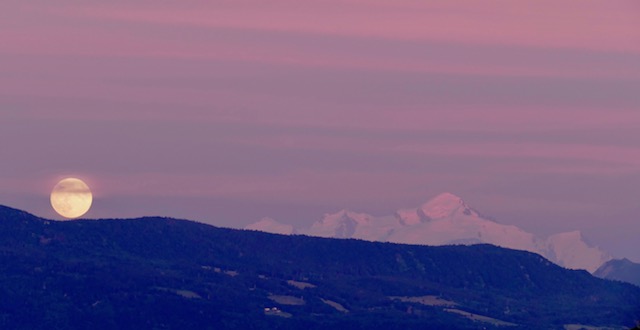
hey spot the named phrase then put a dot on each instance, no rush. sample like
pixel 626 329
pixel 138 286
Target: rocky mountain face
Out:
pixel 447 219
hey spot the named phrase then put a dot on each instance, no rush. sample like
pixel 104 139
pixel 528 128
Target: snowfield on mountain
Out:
pixel 446 219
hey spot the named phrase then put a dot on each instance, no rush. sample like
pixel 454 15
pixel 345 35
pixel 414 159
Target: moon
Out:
pixel 71 198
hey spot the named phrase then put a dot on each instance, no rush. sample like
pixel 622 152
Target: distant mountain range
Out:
pixel 447 219
pixel 620 270
pixel 162 273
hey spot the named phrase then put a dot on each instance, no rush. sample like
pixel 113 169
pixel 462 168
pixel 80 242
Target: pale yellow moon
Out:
pixel 71 198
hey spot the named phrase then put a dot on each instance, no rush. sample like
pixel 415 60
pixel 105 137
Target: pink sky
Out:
pixel 228 111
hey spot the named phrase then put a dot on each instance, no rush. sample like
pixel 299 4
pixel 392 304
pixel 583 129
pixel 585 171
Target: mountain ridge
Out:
pixel 620 270
pixel 448 219
pixel 163 272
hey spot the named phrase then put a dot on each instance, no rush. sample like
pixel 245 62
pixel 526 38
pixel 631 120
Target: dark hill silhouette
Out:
pixel 168 273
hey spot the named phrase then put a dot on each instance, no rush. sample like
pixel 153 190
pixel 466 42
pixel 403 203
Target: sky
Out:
pixel 225 112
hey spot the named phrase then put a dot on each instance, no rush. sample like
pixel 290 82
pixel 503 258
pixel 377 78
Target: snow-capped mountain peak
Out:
pixel 344 215
pixel 445 205
pixel 447 219
pixel 572 251
pixel 341 224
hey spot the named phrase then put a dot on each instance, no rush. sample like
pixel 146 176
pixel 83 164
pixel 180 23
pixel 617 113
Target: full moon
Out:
pixel 71 198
